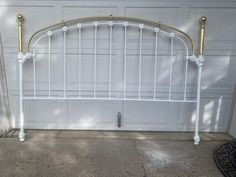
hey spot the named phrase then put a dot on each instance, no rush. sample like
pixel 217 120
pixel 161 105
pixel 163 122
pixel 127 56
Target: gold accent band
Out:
pixel 158 24
pixel 202 34
pixel 20 19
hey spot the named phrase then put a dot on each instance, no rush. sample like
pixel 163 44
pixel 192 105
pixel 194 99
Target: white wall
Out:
pixel 218 75
pixel 5 122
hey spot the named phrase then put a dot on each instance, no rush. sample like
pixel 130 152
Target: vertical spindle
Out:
pixel 171 64
pixel 49 33
pixel 125 56
pixel 34 70
pixel 95 59
pixel 110 55
pixel 141 26
pixel 155 64
pixel 79 26
pixel 64 59
pixel 185 78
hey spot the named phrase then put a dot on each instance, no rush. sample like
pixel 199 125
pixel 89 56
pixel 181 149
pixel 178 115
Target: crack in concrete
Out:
pixel 140 160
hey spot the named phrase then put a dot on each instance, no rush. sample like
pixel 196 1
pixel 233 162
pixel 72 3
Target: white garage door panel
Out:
pixel 214 115
pixel 89 114
pixel 168 15
pixel 44 114
pixel 70 12
pixel 33 13
pixel 149 116
pixel 83 114
pixel 219 72
pixel 214 16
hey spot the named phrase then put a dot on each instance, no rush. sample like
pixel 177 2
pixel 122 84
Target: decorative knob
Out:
pixel 203 21
pixel 20 17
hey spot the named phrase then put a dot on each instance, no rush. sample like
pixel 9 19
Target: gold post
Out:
pixel 202 34
pixel 20 19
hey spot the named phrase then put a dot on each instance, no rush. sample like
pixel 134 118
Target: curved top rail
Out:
pixel 69 22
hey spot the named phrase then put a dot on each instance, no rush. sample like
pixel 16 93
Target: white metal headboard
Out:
pixel 157 31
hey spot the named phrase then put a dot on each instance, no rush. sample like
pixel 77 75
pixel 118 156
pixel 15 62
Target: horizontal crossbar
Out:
pixel 107 99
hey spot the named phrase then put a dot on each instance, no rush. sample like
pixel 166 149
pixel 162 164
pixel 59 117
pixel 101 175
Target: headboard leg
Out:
pixel 199 61
pixel 22 133
pixel 20 57
pixel 196 137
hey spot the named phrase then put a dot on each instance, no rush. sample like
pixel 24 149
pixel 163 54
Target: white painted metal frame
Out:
pixel 111 24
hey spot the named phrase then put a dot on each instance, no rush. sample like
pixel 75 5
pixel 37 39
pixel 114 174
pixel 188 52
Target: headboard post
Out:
pixel 202 34
pixel 199 61
pixel 20 19
pixel 21 58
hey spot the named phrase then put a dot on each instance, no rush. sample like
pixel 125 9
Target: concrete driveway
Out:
pixel 109 154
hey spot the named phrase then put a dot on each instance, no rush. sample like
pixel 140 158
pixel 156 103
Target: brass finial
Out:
pixel 20 17
pixel 202 34
pixel 203 21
